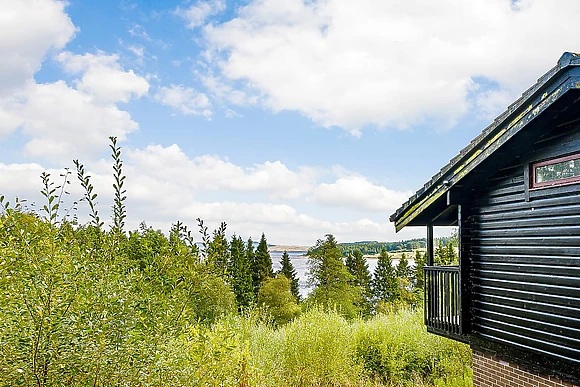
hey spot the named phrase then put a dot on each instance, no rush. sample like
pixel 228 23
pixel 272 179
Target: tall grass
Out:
pixel 317 349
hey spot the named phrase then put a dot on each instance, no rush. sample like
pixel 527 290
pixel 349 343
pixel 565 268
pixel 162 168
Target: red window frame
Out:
pixel 552 183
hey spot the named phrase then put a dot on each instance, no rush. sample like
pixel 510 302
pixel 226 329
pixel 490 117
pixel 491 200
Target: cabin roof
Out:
pixel 515 117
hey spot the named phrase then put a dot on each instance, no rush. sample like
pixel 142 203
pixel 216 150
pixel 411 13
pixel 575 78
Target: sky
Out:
pixel 293 118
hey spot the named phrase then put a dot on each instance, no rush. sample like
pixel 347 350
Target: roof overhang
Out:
pixel 427 205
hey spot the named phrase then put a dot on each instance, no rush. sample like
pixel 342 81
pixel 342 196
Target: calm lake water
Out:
pixel 300 263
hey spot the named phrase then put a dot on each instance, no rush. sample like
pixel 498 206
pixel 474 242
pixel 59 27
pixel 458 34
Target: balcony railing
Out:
pixel 443 299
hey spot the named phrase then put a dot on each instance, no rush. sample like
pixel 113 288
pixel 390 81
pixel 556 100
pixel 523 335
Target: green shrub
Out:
pixel 275 295
pixel 395 348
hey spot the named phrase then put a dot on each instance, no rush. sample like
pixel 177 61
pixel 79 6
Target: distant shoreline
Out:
pixel 290 249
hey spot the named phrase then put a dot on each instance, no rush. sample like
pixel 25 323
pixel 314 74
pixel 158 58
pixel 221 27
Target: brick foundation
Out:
pixel 490 371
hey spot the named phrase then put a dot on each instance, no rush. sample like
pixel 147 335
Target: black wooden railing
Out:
pixel 443 299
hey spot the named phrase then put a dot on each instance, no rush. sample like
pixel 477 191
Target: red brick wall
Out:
pixel 490 371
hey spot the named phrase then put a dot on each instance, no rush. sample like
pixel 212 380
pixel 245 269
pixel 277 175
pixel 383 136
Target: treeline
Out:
pixel 85 304
pixel 374 247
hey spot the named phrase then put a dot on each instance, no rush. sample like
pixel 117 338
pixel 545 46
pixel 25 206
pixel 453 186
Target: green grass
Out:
pixel 317 349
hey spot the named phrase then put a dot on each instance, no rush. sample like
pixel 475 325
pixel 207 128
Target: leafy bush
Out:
pixel 80 309
pixel 395 347
pixel 275 296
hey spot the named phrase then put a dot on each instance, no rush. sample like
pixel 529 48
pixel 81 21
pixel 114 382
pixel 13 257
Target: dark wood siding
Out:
pixel 525 256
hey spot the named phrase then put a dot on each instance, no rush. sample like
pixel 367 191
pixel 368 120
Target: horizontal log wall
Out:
pixel 524 250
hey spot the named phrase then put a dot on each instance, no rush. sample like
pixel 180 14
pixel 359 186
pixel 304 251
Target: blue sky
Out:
pixel 295 118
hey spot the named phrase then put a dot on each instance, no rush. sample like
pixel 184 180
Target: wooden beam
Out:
pixel 455 197
pixel 430 257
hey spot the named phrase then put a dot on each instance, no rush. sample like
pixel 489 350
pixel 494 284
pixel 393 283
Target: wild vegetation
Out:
pixel 83 305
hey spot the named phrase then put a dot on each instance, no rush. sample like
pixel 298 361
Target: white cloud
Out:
pixel 212 173
pixel 60 122
pixel 30 29
pixel 103 77
pixel 138 50
pixel 184 99
pixel 139 31
pixel 64 123
pixel 197 14
pixel 359 193
pixel 224 92
pixel 382 63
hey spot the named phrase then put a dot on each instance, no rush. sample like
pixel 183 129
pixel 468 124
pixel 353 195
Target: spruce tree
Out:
pixel 218 249
pixel 290 273
pixel 440 254
pixel 262 267
pixel 331 279
pixel 404 277
pixel 250 256
pixel 385 286
pixel 240 273
pixel 359 268
pixel 403 269
pixel 349 262
pixel 450 254
pixel 420 261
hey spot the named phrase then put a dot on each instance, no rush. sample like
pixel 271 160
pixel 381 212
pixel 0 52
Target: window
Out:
pixel 558 171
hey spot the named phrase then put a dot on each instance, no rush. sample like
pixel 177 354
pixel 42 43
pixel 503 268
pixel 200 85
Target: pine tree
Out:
pixel 262 267
pixel 450 254
pixel 385 286
pixel 331 279
pixel 290 273
pixel 420 261
pixel 349 262
pixel 218 249
pixel 359 268
pixel 403 270
pixel 240 273
pixel 440 254
pixel 445 254
pixel 250 256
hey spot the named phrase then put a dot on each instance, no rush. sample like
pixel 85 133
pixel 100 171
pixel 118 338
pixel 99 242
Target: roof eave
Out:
pixel 517 116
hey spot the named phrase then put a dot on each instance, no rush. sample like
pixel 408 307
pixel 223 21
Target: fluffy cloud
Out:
pixel 387 63
pixel 209 172
pixel 63 123
pixel 184 99
pixel 197 14
pixel 60 121
pixel 171 165
pixel 103 78
pixel 357 192
pixel 30 29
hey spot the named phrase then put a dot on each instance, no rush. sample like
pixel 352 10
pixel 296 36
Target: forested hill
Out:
pixel 374 247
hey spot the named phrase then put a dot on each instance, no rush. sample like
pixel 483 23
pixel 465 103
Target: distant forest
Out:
pixel 374 247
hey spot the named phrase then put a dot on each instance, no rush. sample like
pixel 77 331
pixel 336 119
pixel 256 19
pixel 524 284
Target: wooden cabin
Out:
pixel 514 194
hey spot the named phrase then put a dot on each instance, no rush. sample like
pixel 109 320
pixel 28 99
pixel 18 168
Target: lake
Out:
pixel 300 263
